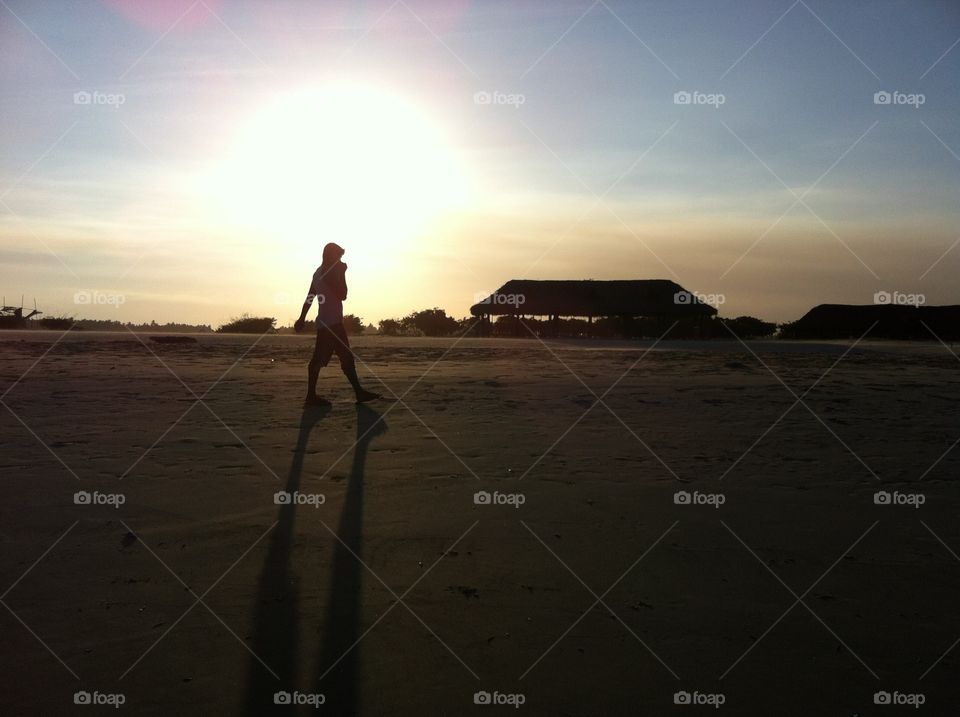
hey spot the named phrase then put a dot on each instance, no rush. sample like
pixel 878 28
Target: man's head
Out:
pixel 332 253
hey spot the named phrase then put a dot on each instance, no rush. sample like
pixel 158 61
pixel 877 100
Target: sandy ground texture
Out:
pixel 565 528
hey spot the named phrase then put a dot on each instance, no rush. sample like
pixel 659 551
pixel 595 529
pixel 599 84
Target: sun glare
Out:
pixel 347 163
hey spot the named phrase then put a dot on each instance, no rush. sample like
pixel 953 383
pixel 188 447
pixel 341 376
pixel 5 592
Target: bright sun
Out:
pixel 347 163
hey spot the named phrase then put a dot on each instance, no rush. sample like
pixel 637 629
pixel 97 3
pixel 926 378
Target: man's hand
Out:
pixel 298 325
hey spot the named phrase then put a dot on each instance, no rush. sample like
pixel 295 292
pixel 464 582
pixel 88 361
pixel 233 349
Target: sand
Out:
pixel 582 588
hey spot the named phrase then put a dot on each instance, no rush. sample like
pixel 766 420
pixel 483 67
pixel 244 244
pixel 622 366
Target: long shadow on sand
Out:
pixel 276 637
pixel 337 656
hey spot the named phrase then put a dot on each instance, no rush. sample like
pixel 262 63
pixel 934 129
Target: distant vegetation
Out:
pixel 247 324
pixel 353 325
pixel 747 327
pixel 610 327
pixel 58 323
pixel 62 323
pixel 429 322
pixel 435 322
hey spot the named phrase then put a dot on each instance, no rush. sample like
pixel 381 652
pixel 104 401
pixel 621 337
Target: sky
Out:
pixel 187 160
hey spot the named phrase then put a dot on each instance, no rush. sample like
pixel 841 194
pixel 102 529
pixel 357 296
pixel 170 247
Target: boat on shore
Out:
pixel 13 317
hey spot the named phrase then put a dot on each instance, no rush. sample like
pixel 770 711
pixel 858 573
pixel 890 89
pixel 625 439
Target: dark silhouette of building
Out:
pixel 648 303
pixel 884 321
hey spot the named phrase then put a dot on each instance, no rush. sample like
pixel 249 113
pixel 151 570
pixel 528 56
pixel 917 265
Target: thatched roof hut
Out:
pixel 889 321
pixel 658 298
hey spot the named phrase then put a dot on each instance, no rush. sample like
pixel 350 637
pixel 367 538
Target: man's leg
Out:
pixel 341 345
pixel 348 364
pixel 322 351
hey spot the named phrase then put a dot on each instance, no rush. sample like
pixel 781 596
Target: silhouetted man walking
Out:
pixel 329 287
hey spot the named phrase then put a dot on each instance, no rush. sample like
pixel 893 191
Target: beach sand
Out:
pixel 400 595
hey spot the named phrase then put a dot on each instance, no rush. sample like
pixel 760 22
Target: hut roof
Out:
pixel 631 297
pixel 897 321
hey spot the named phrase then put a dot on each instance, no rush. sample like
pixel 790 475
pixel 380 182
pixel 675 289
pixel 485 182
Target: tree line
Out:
pixel 436 323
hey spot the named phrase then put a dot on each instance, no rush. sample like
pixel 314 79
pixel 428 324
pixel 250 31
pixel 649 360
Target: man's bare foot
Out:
pixel 316 400
pixel 364 395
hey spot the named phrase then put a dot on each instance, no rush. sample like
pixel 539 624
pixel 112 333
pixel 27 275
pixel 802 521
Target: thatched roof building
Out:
pixel 890 321
pixel 659 298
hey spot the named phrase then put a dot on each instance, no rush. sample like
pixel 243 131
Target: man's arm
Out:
pixel 337 281
pixel 305 309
